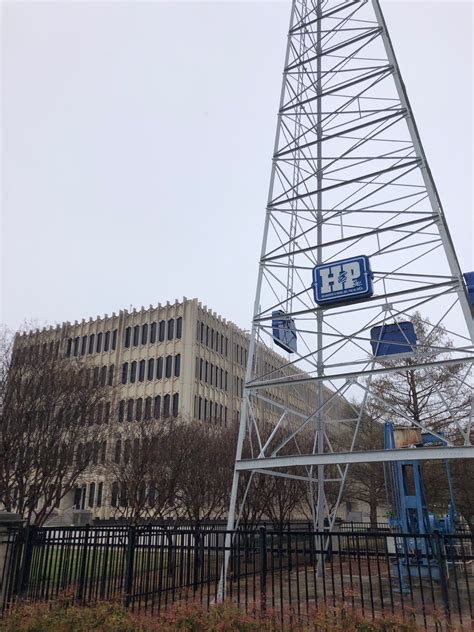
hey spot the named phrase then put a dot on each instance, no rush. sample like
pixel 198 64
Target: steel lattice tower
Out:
pixel 349 178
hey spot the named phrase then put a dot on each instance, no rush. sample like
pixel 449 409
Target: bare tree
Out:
pixel 365 481
pixel 47 431
pixel 145 467
pixel 437 397
pixel 206 474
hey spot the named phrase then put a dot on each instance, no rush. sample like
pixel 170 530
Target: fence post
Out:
pixel 10 546
pixel 196 561
pixel 29 537
pixel 441 559
pixel 83 568
pixel 263 569
pixel 128 585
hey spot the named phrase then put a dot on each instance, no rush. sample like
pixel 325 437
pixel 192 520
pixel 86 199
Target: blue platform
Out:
pixel 469 278
pixel 284 331
pixel 393 339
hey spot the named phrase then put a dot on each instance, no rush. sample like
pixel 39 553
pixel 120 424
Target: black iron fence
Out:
pixel 286 571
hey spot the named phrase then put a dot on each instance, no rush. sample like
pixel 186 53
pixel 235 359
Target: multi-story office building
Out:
pixel 179 359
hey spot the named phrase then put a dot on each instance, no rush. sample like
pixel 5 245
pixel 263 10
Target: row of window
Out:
pixel 209 411
pixel 99 375
pixel 211 338
pixel 211 374
pixel 240 355
pixel 92 452
pixel 164 330
pixel 82 345
pixel 151 369
pixel 148 408
pixel 82 499
pixel 146 492
pixel 38 351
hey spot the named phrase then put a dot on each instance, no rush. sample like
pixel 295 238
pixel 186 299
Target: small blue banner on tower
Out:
pixel 284 331
pixel 341 281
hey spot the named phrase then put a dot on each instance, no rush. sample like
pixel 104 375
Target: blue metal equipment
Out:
pixel 284 331
pixel 406 492
pixel 469 278
pixel 393 339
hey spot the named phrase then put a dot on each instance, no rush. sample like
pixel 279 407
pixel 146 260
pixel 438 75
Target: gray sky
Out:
pixel 137 140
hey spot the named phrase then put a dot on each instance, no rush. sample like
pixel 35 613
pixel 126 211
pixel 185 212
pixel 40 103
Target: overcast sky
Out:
pixel 137 142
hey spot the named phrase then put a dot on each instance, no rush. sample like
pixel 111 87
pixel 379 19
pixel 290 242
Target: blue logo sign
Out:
pixel 340 281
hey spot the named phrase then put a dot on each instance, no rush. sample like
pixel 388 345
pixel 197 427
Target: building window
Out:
pixel 91 494
pixel 76 346
pixel 147 414
pixel 177 365
pixel 118 450
pixel 212 338
pixel 124 372
pixel 121 410
pixel 133 372
pixel 114 339
pixel 168 365
pixel 166 406
pixel 103 376
pixel 84 345
pixel 91 343
pixel 127 450
pixel 198 330
pixel 159 368
pixel 138 409
pixel 95 379
pixel 225 416
pixel 151 369
pixel 221 376
pixel 211 377
pixel 202 333
pixel 127 337
pixel 207 336
pixel 99 343
pixel 144 334
pixel 161 331
pixel 130 410
pixel 201 364
pixel 179 328
pixel 95 453
pixel 205 410
pixel 111 375
pixel 107 341
pixel 114 499
pixel 171 329
pixel 157 407
pixel 136 335
pixel 200 408
pixel 152 333
pixel 141 371
pixel 100 491
pixel 175 404
pixel 226 346
pixel 220 414
pixel 68 348
pixel 225 383
pixel 206 372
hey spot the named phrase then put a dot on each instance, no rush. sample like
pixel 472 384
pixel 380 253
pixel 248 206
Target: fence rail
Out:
pixel 288 571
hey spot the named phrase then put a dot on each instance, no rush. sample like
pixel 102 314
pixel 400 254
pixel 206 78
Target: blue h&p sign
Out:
pixel 344 280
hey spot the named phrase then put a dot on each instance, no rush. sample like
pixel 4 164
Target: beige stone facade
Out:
pixel 178 359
